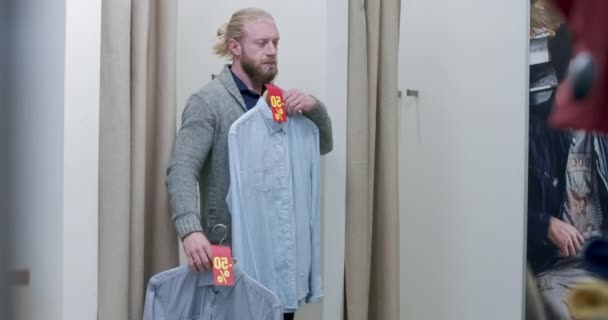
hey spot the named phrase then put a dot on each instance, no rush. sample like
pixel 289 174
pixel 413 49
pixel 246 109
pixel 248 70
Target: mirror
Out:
pixel 567 183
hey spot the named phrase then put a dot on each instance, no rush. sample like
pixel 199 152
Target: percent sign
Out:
pixel 221 264
pixel 223 277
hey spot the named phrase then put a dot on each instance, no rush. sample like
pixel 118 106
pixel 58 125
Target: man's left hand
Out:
pixel 296 101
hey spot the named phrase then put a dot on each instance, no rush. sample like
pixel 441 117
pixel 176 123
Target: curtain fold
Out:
pixel 137 128
pixel 372 235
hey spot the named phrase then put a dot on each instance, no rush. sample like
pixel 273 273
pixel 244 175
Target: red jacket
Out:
pixel 588 24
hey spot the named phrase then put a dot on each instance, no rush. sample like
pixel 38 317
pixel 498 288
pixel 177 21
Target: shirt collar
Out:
pixel 242 86
pixel 273 126
pixel 205 279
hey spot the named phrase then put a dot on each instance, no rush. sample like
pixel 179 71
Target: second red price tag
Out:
pixel 275 97
pixel 222 266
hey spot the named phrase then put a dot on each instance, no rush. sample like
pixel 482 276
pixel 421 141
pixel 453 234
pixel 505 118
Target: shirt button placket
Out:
pixel 208 315
pixel 282 173
pixel 289 217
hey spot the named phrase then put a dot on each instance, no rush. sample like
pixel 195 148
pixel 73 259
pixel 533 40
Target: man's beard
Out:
pixel 256 73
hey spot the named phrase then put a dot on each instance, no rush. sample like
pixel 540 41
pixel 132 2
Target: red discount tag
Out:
pixel 222 266
pixel 275 97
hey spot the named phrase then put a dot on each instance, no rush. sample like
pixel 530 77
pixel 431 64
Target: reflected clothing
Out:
pixel 274 201
pixel 566 181
pixel 557 186
pixel 582 207
pixel 555 286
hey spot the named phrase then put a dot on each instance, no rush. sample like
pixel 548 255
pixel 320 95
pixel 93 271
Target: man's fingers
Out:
pixel 291 107
pixel 191 259
pixel 196 266
pixel 209 256
pixel 204 259
pixel 288 96
pixel 208 252
pixel 578 240
pixel 294 108
pixel 580 237
pixel 295 99
pixel 577 244
pixel 295 105
pixel 563 251
pixel 298 107
pixel 571 250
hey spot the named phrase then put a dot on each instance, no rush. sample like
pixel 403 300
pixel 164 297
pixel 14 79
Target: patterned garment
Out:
pixel 582 209
pixel 582 206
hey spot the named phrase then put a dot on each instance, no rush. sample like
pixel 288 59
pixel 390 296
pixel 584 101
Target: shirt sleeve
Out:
pixel 153 308
pixel 272 313
pixel 315 279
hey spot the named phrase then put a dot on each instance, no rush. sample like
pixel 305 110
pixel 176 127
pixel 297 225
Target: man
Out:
pixel 200 159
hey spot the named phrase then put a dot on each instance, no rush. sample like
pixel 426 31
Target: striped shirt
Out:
pixel 180 293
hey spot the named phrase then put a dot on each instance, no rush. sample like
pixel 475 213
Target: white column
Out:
pixel 334 205
pixel 80 158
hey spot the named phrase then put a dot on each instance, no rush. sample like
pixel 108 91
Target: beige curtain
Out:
pixel 137 128
pixel 372 235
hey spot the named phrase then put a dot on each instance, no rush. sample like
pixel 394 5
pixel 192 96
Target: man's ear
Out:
pixel 234 47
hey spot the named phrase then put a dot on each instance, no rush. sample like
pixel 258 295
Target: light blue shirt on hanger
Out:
pixel 274 203
pixel 179 293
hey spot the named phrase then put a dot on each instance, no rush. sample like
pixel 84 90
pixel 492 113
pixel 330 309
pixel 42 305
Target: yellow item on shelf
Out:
pixel 589 301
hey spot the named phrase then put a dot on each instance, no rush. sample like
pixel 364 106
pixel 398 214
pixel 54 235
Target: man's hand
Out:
pixel 567 239
pixel 296 100
pixel 198 251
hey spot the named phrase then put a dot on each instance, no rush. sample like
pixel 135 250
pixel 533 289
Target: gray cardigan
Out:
pixel 198 177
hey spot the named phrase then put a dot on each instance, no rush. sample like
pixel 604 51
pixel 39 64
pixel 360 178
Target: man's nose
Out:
pixel 271 49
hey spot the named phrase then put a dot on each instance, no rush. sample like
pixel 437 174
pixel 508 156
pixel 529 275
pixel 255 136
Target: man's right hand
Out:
pixel 198 251
pixel 567 239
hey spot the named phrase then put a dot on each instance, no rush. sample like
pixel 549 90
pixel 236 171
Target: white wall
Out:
pixel 463 158
pixel 312 58
pixel 55 104
pixel 304 69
